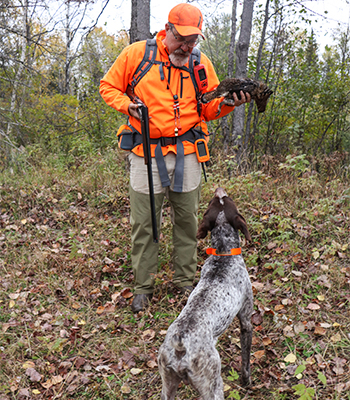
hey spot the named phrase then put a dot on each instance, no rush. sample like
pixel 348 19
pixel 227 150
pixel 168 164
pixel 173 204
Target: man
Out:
pixel 177 119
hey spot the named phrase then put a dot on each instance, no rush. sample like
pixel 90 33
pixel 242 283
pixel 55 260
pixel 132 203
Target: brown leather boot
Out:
pixel 140 302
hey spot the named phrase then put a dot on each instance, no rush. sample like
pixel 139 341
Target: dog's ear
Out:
pixel 209 218
pixel 235 219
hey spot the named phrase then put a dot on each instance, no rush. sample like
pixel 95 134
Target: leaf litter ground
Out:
pixel 66 329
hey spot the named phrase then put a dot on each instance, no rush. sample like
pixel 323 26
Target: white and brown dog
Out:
pixel 188 353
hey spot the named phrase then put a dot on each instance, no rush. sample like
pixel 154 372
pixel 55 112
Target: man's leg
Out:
pixel 144 252
pixel 185 224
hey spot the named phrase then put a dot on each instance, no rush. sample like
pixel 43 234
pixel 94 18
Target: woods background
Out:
pixel 54 53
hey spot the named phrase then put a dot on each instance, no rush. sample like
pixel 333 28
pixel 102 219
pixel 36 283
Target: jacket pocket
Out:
pixel 125 138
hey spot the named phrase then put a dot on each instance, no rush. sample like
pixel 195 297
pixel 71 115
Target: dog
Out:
pixel 224 290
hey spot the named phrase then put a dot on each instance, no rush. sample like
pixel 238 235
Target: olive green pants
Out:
pixel 144 253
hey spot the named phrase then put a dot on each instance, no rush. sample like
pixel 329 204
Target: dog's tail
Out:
pixel 178 344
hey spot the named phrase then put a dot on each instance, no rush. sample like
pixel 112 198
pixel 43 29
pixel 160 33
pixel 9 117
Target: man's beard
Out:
pixel 179 58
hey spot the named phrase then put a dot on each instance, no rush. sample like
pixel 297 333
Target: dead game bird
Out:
pixel 257 90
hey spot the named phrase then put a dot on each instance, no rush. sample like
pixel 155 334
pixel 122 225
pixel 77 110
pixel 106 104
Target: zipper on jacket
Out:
pixel 182 83
pixel 169 76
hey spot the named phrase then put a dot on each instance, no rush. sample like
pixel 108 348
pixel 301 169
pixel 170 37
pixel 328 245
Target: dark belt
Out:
pixel 191 136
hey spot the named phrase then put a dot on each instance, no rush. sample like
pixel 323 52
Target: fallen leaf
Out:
pixel 259 286
pixel 46 317
pixel 102 368
pixel 336 338
pixel 76 305
pixel 148 335
pixel 288 331
pixel 11 303
pixel 125 389
pixel 259 354
pixel 266 341
pixel 313 306
pixel 163 332
pixel 14 296
pixel 28 364
pixel 152 364
pixel 290 358
pixel 287 302
pixel 299 328
pixel 100 310
pixel 320 331
pixel 227 387
pixel 296 259
pixel 24 393
pixel 56 379
pixel 257 318
pixel 79 362
pixel 36 391
pixel 297 273
pixel 114 296
pixel 47 384
pixel 34 376
pixel 136 371
pixel 126 293
pixel 109 308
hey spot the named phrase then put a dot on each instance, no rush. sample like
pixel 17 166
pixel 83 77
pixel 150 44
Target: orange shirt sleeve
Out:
pixel 210 109
pixel 114 83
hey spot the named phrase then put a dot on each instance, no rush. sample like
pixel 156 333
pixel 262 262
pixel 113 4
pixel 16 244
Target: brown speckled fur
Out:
pixel 258 91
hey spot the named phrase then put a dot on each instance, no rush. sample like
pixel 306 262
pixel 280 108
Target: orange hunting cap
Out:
pixel 187 19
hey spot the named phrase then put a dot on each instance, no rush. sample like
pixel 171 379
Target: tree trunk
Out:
pixel 67 57
pixel 140 20
pixel 71 32
pixel 230 61
pixel 22 62
pixel 257 73
pixel 230 68
pixel 241 72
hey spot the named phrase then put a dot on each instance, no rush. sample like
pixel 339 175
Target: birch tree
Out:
pixel 242 48
pixel 257 75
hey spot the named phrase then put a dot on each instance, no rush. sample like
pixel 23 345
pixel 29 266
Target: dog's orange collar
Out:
pixel 233 252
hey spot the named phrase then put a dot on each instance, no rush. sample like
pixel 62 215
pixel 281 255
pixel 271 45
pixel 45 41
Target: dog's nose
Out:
pixel 220 193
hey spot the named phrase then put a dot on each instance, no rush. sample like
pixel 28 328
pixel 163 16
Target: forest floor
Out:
pixel 66 327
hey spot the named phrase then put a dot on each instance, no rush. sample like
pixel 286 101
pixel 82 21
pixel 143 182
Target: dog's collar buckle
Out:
pixel 233 252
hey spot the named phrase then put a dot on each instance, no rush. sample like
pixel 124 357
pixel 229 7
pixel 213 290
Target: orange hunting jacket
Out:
pixel 157 96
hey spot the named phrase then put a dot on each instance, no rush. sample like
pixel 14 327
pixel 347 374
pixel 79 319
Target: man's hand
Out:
pixel 245 98
pixel 133 110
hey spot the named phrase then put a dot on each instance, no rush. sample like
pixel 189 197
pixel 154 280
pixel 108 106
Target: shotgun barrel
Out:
pixel 144 118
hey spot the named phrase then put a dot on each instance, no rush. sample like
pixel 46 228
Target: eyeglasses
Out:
pixel 181 39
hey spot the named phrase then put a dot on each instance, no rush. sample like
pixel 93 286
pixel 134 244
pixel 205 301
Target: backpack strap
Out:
pixel 194 57
pixel 149 58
